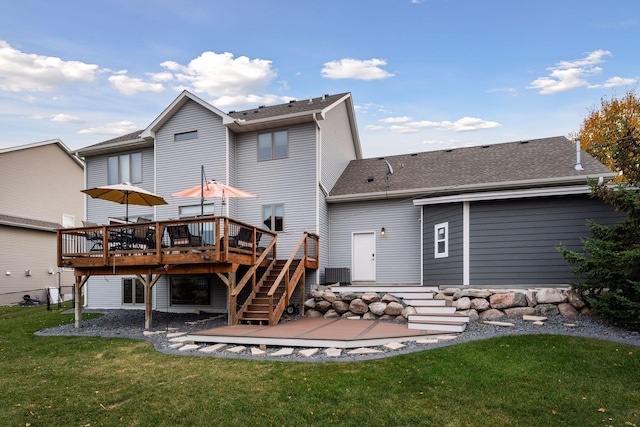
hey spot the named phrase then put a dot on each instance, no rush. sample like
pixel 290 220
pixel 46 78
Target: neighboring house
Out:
pixel 480 209
pixel 40 192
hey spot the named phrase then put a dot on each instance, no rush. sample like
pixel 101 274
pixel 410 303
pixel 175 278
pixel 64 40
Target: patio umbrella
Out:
pixel 125 194
pixel 212 188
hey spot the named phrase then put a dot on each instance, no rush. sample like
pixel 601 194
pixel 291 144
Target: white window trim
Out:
pixel 436 227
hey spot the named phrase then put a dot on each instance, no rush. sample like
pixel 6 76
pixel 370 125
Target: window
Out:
pixel 273 145
pixel 273 217
pixel 441 240
pixel 132 291
pixel 190 290
pixel 196 210
pixel 68 220
pixel 124 168
pixel 185 135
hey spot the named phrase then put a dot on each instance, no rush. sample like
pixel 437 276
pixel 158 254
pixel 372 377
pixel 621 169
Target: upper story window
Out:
pixel 193 134
pixel 441 240
pixel 273 145
pixel 273 217
pixel 196 210
pixel 124 168
pixel 68 220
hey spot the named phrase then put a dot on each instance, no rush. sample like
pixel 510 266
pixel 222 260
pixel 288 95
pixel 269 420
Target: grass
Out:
pixel 534 380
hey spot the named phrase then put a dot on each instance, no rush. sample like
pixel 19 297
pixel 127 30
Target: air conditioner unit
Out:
pixel 337 275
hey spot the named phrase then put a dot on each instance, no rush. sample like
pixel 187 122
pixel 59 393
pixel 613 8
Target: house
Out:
pixel 480 216
pixel 289 155
pixel 39 193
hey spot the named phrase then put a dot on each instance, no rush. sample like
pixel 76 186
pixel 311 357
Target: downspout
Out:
pixel 226 167
pixel 319 183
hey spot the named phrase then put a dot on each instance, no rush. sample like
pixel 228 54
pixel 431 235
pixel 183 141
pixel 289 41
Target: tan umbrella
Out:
pixel 126 194
pixel 212 188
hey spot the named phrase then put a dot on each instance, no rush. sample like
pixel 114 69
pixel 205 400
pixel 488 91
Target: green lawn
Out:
pixel 516 381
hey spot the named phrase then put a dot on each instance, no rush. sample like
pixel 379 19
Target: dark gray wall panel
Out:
pixel 442 271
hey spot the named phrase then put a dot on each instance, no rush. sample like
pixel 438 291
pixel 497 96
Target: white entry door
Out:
pixel 363 257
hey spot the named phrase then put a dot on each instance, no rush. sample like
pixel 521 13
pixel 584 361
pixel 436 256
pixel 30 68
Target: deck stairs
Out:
pixel 432 314
pixel 256 309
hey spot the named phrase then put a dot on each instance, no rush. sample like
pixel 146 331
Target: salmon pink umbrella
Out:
pixel 212 188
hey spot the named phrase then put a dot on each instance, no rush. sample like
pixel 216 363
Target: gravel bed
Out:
pixel 130 324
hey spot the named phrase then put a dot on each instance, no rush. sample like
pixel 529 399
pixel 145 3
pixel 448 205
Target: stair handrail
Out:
pixel 284 274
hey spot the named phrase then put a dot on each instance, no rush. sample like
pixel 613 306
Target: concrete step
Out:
pixel 385 289
pixel 415 302
pixel 439 326
pixel 412 295
pixel 435 310
pixel 424 318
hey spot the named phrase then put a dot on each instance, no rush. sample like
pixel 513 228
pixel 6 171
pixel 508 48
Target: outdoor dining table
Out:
pixel 121 239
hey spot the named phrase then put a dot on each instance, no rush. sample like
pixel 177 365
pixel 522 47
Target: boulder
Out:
pixel 507 300
pixel 358 307
pixel 519 311
pixel 574 299
pixel 322 306
pixel 331 314
pixel 394 309
pixel 389 298
pixel 317 294
pixel 340 307
pixel 531 298
pixel 567 310
pixel 378 308
pixel 329 296
pixel 476 293
pixel 310 303
pixel 369 316
pixel 546 309
pixel 347 315
pixel 447 298
pixel 473 314
pixel 449 291
pixel 491 314
pixel 401 319
pixel 463 303
pixel 370 297
pixel 408 311
pixel 312 313
pixel 480 304
pixel 349 296
pixel 550 296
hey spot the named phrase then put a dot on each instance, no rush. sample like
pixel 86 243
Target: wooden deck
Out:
pixel 206 245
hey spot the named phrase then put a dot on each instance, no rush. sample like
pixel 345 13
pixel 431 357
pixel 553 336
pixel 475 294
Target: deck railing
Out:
pixel 204 240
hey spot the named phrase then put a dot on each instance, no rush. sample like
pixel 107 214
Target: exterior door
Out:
pixel 363 257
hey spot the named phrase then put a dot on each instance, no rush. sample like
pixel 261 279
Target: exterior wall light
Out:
pixel 383 232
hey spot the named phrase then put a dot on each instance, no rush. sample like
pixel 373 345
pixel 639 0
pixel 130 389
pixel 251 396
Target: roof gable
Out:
pixel 520 164
pixel 56 142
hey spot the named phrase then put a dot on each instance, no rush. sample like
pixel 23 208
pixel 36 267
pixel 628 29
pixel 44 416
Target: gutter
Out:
pixel 457 189
pixel 115 147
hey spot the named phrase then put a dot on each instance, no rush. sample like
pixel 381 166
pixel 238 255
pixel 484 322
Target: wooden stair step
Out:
pixel 422 318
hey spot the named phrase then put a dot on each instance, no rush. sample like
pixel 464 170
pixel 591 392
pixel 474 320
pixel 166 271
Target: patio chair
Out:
pixel 244 239
pixel 144 237
pixel 93 236
pixel 179 235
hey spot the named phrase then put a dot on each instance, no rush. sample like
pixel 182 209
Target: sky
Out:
pixel 424 74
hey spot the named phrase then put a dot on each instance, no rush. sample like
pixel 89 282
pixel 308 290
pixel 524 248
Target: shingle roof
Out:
pixel 517 164
pixel 29 223
pixel 292 107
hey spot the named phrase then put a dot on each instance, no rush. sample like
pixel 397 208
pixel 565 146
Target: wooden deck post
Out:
pixel 148 282
pixel 77 289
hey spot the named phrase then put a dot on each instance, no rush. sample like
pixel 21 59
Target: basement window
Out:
pixel 132 291
pixel 190 290
pixel 441 240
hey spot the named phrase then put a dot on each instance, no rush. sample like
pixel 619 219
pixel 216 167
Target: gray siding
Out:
pixel 443 271
pixel 397 253
pixel 337 145
pixel 513 242
pixel 100 211
pixel 290 181
pixel 179 162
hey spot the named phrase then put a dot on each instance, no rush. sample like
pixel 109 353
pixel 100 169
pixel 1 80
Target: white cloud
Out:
pixel 115 128
pixel 164 76
pixel 567 75
pixel 403 119
pixel 248 101
pixel 131 86
pixel 20 72
pixel 350 68
pixel 406 125
pixel 60 117
pixel 221 75
pixel 616 82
